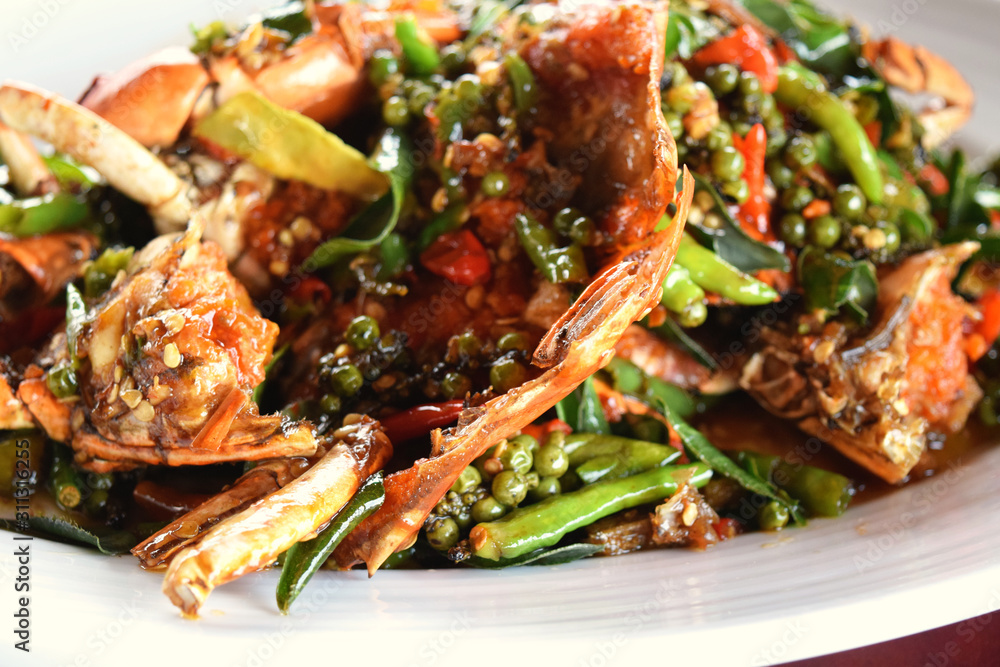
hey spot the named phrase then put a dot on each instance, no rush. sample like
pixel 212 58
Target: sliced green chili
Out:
pixel 557 265
pixel 801 89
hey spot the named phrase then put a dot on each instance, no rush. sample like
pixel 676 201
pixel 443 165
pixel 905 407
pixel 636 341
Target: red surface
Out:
pixel 973 643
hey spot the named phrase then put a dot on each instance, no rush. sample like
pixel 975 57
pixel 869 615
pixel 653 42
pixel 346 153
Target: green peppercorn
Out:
pixel 442 534
pixel 750 104
pixel 463 518
pixel 728 164
pixel 749 84
pixel 467 481
pixel 453 57
pixel 800 152
pixel 892 237
pixel 681 97
pixel 468 88
pixel 455 385
pixel 419 99
pixel 383 65
pixel 506 374
pixel 674 123
pixel 495 184
pixel 766 107
pixel 719 137
pixel 547 487
pixel 738 190
pixel 796 198
pixel 469 345
pixel 395 111
pixel 693 315
pixel 509 488
pixel 551 461
pixel 824 231
pixel 793 229
pixel 781 176
pixel 488 509
pixel 776 139
pixel 578 227
pixel 346 380
pixel 570 481
pixel 363 332
pixel 330 404
pixel 513 341
pixel 96 503
pixel 516 456
pixel 525 440
pixel 772 516
pixel 849 202
pixel 722 79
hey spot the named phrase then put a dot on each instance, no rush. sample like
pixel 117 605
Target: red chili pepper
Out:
pixel 874 132
pixel 27 327
pixel 539 431
pixel 987 329
pixel 459 257
pixel 816 208
pixel 420 420
pixel 746 48
pixel 937 183
pixel 308 289
pixel 755 213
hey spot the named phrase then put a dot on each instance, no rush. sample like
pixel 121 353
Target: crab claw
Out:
pixel 93 141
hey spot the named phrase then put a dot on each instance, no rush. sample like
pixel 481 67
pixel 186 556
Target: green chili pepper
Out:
pixel 545 523
pixel 822 493
pixel 291 146
pixel 700 448
pixel 522 80
pixel 64 481
pixel 714 274
pixel 557 265
pixel 801 89
pixel 446 221
pixel 421 55
pixel 101 273
pixel 305 558
pixel 679 291
pixel 76 315
pixel 42 215
pixel 602 457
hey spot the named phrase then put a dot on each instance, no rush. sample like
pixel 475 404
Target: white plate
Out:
pixel 916 559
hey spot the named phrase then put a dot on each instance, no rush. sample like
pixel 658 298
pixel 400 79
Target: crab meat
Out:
pixel 876 398
pixel 917 70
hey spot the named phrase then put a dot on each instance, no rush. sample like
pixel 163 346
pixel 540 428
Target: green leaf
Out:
pixel 289 145
pixel 631 380
pixel 305 558
pixel 291 18
pixel 831 281
pixel 48 519
pixel 698 447
pixel 258 391
pixel 421 55
pixel 820 40
pixel 583 411
pixel 733 244
pixel 394 159
pixel 675 332
pixel 544 556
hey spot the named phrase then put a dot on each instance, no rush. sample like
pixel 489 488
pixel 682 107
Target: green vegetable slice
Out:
pixel 290 146
pixel 393 157
pixel 733 244
pixel 305 558
pixel 700 448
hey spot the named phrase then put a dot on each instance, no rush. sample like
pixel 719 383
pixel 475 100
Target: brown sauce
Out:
pixel 738 423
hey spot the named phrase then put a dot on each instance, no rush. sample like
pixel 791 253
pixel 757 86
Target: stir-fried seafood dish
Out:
pixel 486 284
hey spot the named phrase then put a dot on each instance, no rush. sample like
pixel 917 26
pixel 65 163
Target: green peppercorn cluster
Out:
pixel 513 472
